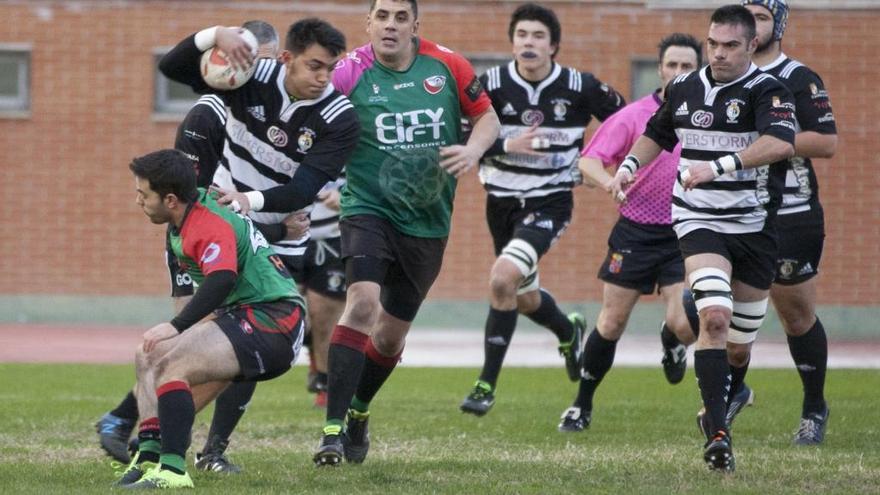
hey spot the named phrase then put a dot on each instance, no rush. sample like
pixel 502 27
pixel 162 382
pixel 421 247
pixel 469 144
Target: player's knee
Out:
pixel 796 322
pixel 716 319
pixel 387 345
pixel 746 320
pixel 711 288
pixel 611 325
pixel 362 311
pixel 503 285
pixel 521 255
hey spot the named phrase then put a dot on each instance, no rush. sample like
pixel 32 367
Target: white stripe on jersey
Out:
pixel 789 68
pixel 238 133
pixel 524 185
pixel 575 81
pixel 264 70
pixel 334 108
pixel 705 140
pixel 493 80
pixel 214 103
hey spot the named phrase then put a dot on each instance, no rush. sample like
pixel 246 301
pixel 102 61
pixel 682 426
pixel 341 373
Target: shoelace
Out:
pixel 572 413
pixel 808 428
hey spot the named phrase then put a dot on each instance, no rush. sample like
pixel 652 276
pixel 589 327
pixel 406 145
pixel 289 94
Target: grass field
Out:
pixel 643 438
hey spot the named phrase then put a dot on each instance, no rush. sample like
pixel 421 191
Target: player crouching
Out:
pixel 255 333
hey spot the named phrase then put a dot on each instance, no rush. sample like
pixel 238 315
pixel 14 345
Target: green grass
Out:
pixel 643 438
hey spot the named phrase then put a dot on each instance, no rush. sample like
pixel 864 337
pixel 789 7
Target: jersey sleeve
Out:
pixel 812 104
pixel 210 242
pixel 660 127
pixel 181 64
pixel 774 109
pixel 602 99
pixel 471 95
pixel 201 134
pixel 611 141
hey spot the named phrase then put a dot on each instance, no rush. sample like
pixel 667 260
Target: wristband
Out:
pixel 630 164
pixel 256 200
pixel 206 38
pixel 504 145
pixel 726 164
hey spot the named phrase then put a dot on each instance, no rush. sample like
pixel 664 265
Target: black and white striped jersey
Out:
pixel 201 134
pixel 561 105
pixel 711 120
pixel 813 110
pixel 324 220
pixel 269 135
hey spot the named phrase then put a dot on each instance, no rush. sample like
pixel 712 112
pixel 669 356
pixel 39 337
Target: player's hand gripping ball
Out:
pixel 219 73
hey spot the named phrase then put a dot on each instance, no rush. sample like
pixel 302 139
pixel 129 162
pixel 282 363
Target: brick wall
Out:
pixel 70 226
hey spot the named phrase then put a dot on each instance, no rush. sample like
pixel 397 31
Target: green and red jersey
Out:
pixel 406 116
pixel 213 238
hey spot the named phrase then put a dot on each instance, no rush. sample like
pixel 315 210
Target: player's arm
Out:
pixel 606 149
pixel 775 123
pixel 322 164
pixel 603 100
pixel 594 171
pixel 818 136
pixel 458 159
pixel 182 62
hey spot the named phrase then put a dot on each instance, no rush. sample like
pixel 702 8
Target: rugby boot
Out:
pixel 812 428
pixel 113 433
pixel 718 453
pixel 574 420
pixel 573 349
pixel 674 361
pixel 158 478
pixel 356 439
pixel 330 451
pixel 480 400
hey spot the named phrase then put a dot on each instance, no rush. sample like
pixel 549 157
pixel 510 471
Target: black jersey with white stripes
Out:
pixel 200 136
pixel 710 120
pixel 270 135
pixel 813 111
pixel 561 105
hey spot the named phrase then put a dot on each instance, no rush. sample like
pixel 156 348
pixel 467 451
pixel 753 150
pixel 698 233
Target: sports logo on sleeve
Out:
pixel 474 89
pixel 210 254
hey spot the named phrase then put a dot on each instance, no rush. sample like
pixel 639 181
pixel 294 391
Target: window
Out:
pixel 15 78
pixel 644 78
pixel 171 98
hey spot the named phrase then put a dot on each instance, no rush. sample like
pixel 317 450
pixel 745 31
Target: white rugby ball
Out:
pixel 219 73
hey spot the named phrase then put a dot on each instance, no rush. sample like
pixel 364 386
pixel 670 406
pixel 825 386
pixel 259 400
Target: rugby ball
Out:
pixel 219 73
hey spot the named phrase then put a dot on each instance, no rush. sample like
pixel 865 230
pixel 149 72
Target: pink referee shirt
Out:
pixel 649 198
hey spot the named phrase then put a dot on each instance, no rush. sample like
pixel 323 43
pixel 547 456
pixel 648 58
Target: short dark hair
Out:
pixel 263 31
pixel 169 172
pixel 539 13
pixel 413 3
pixel 680 39
pixel 736 14
pixel 306 32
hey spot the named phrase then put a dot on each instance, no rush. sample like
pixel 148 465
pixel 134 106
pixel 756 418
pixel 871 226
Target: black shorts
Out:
pixel 322 268
pixel 266 337
pixel 801 239
pixel 538 221
pixel 642 257
pixel 181 282
pixel 752 256
pixel 404 266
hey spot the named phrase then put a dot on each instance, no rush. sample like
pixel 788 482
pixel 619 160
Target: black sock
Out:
pixel 598 358
pixel 810 353
pixel 713 377
pixel 690 310
pixel 128 408
pixel 549 316
pixel 499 330
pixel 345 363
pixel 669 340
pixel 377 369
pixel 176 415
pixel 228 410
pixel 321 381
pixel 737 379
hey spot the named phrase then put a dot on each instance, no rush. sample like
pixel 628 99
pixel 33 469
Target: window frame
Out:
pixel 18 106
pixel 166 108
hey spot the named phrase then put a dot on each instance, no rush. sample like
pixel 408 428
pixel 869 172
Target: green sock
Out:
pixel 173 462
pixel 359 405
pixel 148 450
pixel 333 427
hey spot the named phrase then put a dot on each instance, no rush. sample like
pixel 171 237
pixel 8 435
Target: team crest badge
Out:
pixel 532 117
pixel 305 140
pixel 560 108
pixel 733 111
pixel 814 89
pixel 786 268
pixel 277 136
pixel 615 264
pixel 434 84
pixel 246 327
pixel 776 101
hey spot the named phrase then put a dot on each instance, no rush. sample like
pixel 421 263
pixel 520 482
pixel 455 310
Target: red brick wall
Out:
pixel 70 225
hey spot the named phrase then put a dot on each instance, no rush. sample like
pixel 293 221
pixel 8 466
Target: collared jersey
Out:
pixel 649 197
pixel 406 116
pixel 711 120
pixel 813 110
pixel 213 238
pixel 562 105
pixel 200 136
